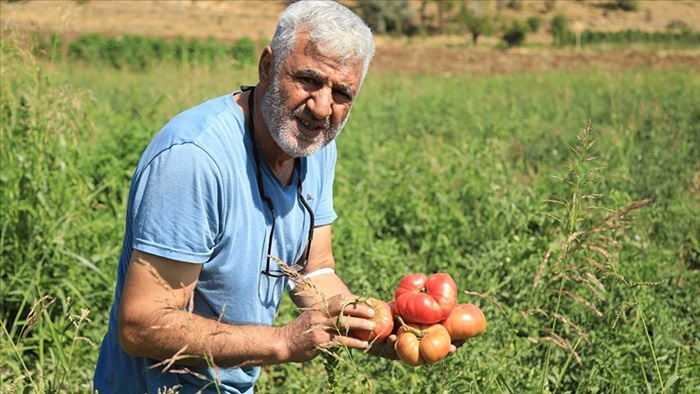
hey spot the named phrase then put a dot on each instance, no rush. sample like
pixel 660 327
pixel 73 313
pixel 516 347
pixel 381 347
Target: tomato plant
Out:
pixel 419 344
pixel 383 318
pixel 425 300
pixel 465 321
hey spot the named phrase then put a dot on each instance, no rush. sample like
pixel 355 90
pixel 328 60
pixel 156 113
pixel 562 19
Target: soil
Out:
pixel 447 55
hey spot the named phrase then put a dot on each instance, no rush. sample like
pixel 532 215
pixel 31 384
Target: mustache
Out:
pixel 305 113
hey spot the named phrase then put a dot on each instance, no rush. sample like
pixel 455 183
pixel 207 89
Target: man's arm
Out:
pixel 325 285
pixel 331 285
pixel 154 323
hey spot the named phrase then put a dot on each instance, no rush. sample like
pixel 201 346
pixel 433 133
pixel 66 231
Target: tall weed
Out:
pixel 44 242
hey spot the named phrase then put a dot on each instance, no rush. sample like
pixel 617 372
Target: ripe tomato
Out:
pixel 425 300
pixel 466 321
pixel 408 349
pixel 384 319
pixel 419 344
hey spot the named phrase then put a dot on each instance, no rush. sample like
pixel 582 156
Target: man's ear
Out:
pixel 266 65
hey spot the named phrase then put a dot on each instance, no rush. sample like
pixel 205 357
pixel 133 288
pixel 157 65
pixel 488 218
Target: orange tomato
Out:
pixel 465 321
pixel 422 344
pixel 384 319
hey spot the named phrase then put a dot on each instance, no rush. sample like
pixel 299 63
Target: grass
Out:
pixel 580 244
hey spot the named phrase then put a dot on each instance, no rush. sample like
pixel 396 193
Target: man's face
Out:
pixel 307 102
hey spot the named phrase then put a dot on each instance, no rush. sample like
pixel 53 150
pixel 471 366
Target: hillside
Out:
pixel 231 20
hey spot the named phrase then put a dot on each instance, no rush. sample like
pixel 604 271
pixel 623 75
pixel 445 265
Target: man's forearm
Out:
pixel 193 340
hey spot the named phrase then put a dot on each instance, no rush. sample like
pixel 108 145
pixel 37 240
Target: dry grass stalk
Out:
pixel 587 253
pixel 560 342
pixel 303 286
pixel 487 296
pixel 540 269
pixel 33 319
pixel 571 324
pixel 622 310
pixel 583 301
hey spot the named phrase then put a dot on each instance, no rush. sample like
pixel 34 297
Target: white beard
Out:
pixel 281 122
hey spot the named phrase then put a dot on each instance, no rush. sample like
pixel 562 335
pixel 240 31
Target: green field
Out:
pixel 581 244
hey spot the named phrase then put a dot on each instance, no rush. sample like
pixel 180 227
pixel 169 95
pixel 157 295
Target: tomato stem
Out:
pixel 417 332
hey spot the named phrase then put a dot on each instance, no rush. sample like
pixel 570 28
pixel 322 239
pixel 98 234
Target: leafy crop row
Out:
pixel 589 37
pixel 138 53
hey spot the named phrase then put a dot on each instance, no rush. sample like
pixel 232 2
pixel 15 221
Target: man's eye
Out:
pixel 342 96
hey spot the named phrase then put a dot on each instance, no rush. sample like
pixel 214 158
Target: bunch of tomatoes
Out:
pixel 426 318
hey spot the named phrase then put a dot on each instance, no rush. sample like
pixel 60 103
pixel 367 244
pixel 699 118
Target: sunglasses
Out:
pixel 298 266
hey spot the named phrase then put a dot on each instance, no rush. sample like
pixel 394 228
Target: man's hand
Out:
pixel 385 349
pixel 326 324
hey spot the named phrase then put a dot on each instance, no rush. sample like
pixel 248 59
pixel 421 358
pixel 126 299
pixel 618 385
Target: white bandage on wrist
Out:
pixel 322 271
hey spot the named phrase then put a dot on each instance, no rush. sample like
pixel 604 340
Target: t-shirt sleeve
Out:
pixel 177 205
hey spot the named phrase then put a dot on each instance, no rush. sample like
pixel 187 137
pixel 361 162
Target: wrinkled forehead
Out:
pixel 306 55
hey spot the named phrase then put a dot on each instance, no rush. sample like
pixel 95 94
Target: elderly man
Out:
pixel 230 199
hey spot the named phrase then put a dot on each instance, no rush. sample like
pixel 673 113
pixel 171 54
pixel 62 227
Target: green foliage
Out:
pixel 435 173
pixel 549 5
pixel 515 34
pixel 533 24
pixel 476 25
pixel 48 48
pixel 559 28
pixel 243 51
pixel 515 5
pixel 624 5
pixel 685 38
pixel 387 17
pixel 679 26
pixel 53 237
pixel 137 53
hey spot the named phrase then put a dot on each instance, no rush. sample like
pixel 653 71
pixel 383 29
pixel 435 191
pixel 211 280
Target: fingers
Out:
pixel 348 304
pixel 385 349
pixel 343 324
pixel 337 339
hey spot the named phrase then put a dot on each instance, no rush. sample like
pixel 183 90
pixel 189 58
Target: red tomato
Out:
pixel 425 300
pixel 466 321
pixel 419 344
pixel 383 317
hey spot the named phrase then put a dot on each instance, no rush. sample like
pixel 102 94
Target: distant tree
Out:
pixel 387 17
pixel 627 5
pixel 476 25
pixel 549 5
pixel 515 5
pixel 559 28
pixel 679 26
pixel 515 34
pixel 533 23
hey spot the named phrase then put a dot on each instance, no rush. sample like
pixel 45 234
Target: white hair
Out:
pixel 332 28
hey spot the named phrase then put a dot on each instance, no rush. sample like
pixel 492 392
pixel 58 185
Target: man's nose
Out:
pixel 321 102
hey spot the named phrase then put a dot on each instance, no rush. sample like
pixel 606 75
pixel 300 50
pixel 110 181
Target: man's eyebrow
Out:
pixel 346 89
pixel 309 73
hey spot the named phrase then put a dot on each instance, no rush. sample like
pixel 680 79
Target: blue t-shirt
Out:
pixel 194 198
